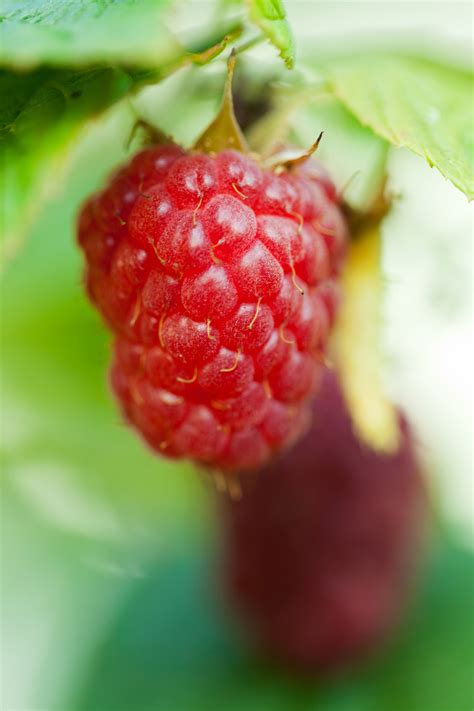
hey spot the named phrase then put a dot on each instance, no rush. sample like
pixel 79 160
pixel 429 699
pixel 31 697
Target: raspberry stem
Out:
pixel 224 132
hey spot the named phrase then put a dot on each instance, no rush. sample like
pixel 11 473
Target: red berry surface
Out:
pixel 219 281
pixel 320 550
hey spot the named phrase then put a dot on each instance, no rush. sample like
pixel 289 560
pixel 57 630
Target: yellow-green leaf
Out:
pixel 270 16
pixel 43 115
pixel 415 103
pixel 357 343
pixel 125 32
pixel 47 112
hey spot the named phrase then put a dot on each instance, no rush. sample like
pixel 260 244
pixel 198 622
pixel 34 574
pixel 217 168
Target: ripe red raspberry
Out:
pixel 218 279
pixel 321 549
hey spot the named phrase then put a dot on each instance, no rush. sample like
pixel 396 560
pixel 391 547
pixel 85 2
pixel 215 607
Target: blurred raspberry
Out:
pixel 219 281
pixel 321 550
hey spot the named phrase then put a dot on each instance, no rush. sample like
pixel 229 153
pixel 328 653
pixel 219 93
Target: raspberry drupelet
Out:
pixel 218 279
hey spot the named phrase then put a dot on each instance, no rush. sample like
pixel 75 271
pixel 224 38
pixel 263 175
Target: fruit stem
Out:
pixel 224 132
pixel 252 42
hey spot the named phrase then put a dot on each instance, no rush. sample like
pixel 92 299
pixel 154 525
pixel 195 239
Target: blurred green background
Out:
pixel 109 590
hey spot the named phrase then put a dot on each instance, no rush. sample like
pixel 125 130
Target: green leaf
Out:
pixel 172 641
pixel 415 103
pixel 270 16
pixel 43 117
pixel 125 32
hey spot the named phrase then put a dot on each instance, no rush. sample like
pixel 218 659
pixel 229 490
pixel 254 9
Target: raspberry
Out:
pixel 320 551
pixel 218 279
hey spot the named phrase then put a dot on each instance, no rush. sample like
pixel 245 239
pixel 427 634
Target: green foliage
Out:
pixel 270 16
pixel 414 103
pixel 76 33
pixel 78 60
pixel 161 665
pixel 47 112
